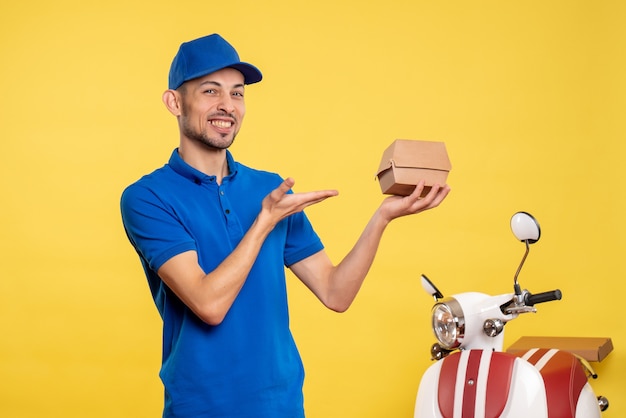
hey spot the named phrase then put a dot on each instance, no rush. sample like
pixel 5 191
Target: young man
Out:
pixel 214 237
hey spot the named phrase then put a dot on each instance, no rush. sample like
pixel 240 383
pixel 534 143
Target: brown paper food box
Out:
pixel 589 348
pixel 407 161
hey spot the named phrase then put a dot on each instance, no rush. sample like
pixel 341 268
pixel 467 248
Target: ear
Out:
pixel 172 100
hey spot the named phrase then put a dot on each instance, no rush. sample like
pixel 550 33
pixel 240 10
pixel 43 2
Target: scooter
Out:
pixel 473 377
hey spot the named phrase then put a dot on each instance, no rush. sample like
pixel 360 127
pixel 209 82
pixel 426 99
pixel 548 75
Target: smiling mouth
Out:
pixel 221 123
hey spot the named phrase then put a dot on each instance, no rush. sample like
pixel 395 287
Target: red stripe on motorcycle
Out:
pixel 499 383
pixel 564 379
pixel 447 383
pixel 536 356
pixel 471 382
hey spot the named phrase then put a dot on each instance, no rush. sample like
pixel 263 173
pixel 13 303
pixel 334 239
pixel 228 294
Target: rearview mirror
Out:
pixel 525 227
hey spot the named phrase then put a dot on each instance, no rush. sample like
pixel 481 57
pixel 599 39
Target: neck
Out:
pixel 210 161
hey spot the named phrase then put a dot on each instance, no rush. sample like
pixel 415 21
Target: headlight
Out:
pixel 448 323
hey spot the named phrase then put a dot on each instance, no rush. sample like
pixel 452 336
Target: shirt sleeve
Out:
pixel 302 240
pixel 152 228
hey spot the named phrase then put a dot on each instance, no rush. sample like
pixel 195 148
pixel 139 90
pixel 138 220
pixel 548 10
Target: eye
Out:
pixel 238 93
pixel 209 91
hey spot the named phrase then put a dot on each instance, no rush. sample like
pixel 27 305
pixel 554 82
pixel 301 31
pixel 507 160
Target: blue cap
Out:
pixel 207 55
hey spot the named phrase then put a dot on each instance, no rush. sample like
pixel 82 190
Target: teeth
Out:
pixel 221 123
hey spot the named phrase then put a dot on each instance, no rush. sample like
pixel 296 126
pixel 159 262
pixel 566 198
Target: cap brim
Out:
pixel 251 74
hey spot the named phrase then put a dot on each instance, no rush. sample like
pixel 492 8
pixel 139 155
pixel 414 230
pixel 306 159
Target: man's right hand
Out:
pixel 279 204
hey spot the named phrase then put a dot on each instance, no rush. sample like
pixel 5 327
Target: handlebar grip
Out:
pixel 543 297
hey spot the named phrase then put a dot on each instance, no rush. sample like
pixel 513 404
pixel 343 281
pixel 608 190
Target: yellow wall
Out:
pixel 529 97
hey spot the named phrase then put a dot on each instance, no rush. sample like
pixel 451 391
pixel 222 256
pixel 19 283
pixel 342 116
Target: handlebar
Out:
pixel 549 296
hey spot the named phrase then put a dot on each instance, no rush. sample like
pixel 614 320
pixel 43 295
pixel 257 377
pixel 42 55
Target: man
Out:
pixel 214 237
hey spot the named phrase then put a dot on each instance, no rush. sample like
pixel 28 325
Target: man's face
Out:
pixel 213 108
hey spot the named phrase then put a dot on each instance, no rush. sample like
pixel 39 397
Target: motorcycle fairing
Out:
pixel 482 380
pixel 563 376
pixel 526 394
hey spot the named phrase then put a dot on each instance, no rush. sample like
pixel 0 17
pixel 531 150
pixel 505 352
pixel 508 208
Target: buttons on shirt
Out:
pixel 224 201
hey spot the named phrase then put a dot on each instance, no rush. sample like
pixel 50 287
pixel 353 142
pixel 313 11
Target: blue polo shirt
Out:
pixel 248 366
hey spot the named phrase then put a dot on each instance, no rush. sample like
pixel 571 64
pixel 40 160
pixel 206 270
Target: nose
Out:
pixel 226 104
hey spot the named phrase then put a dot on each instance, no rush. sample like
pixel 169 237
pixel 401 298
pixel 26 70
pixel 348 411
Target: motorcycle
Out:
pixel 474 377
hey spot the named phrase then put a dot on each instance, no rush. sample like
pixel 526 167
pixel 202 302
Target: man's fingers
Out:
pixel 435 195
pixel 284 187
pixel 417 192
pixel 288 183
pixel 441 194
pixel 311 198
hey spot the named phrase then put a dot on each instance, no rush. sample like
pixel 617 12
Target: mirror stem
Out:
pixel 516 285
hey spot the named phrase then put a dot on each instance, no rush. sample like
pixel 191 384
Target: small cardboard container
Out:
pixel 405 162
pixel 589 348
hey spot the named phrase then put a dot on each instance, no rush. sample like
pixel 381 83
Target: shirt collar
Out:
pixel 181 167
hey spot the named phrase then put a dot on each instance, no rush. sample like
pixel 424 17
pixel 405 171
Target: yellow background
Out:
pixel 529 97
